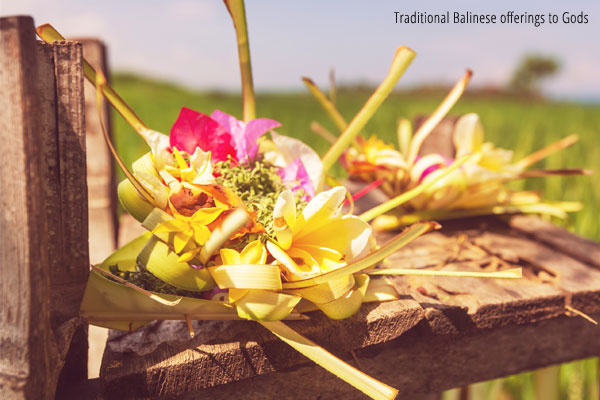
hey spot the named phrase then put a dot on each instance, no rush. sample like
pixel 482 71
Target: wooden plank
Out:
pixel 488 302
pixel 575 246
pixel 447 306
pixel 579 283
pixel 153 361
pixel 27 351
pixel 423 361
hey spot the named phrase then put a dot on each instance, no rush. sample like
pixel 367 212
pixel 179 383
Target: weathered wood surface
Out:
pixel 440 141
pixel 422 361
pixel 577 247
pixel 69 273
pixel 443 333
pixel 44 212
pixel 24 321
pixel 102 197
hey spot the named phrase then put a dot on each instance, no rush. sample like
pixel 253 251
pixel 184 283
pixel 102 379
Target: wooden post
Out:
pixel 68 279
pixel 102 213
pixel 440 141
pixel 25 339
pixel 101 181
pixel 43 229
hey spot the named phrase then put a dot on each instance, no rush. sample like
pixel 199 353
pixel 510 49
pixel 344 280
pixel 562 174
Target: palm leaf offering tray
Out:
pixel 244 223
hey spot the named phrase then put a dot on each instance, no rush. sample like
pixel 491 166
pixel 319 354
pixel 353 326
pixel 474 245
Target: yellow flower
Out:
pixel 186 234
pixel 374 156
pixel 198 171
pixel 253 253
pixel 320 239
pixel 492 162
pixel 378 153
pixel 478 183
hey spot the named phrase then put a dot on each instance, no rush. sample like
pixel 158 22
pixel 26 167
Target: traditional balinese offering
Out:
pixel 477 188
pixel 242 223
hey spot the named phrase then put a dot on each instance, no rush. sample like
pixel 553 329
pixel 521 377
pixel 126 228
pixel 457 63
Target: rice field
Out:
pixel 523 125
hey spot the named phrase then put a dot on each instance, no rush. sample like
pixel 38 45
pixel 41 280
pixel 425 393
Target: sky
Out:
pixel 192 42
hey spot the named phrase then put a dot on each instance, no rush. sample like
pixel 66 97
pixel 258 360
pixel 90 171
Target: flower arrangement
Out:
pixel 241 225
pixel 478 187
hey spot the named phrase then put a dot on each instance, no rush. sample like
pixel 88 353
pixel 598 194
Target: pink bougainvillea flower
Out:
pixel 294 176
pixel 193 129
pixel 244 135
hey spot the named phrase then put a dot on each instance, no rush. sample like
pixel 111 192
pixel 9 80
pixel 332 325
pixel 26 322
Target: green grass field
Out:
pixel 518 124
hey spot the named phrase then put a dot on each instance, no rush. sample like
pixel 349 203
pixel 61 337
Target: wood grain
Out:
pixel 442 324
pixel 422 362
pixel 577 247
pixel 27 351
pixel 102 196
pixel 440 141
pixel 68 280
pixel 44 213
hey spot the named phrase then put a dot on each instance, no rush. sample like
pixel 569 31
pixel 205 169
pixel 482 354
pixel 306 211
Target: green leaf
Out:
pixel 114 305
pixel 402 60
pixel 161 261
pixel 371 387
pixel 238 15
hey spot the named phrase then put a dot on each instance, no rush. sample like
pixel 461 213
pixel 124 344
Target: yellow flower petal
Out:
pixel 200 161
pixel 205 216
pixel 181 240
pixel 188 255
pixel 283 258
pixel 172 225
pixel 253 253
pixel 327 259
pixel 201 233
pixel 172 171
pixel 348 235
pixel 468 134
pixel 155 187
pixel 229 256
pixel 322 208
pixel 284 217
pixel 180 161
pixel 303 260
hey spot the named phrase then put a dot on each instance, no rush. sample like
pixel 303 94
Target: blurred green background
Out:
pixel 521 123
